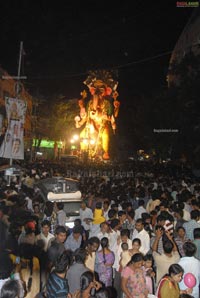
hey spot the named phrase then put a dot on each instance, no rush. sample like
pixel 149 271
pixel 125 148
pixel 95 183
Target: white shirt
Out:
pixel 145 240
pixel 45 239
pixel 117 253
pixel 61 218
pixel 191 265
pixel 87 213
pixel 139 211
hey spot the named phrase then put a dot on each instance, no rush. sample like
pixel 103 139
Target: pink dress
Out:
pixel 136 282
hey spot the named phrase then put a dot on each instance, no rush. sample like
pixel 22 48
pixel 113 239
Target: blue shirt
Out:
pixel 71 243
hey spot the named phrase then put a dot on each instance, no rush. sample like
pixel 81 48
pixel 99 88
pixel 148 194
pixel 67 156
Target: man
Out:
pixel 16 146
pixel 45 235
pixel 190 265
pixel 140 209
pixel 61 215
pixel 57 284
pixel 139 232
pixel 192 224
pixel 76 270
pixel 74 239
pixel 86 217
pixel 56 245
pixel 168 257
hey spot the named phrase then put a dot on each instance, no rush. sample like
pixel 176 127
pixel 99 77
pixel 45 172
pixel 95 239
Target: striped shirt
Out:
pixel 57 287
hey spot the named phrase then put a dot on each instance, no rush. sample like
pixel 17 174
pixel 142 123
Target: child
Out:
pixel 150 274
pixel 125 256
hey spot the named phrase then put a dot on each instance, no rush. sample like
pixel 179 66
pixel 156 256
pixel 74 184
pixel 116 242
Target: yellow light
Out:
pixel 92 142
pixel 72 141
pixel 85 141
pixel 75 137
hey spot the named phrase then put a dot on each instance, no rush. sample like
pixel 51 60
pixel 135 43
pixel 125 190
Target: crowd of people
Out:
pixel 138 234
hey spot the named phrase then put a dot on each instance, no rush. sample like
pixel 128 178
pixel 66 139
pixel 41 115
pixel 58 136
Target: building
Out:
pixel 188 42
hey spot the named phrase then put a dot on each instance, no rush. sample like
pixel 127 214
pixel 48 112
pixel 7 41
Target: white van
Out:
pixel 65 190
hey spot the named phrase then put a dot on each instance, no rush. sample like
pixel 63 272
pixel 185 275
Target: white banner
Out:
pixel 13 143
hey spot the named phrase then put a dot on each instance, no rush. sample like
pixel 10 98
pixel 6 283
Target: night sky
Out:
pixel 62 41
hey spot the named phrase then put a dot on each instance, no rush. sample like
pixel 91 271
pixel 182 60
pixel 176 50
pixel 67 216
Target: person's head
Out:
pixel 115 224
pixel 124 233
pixel 175 271
pixel 93 244
pixel 167 246
pixel 8 137
pixel 136 244
pixel 122 215
pixel 80 255
pixel 10 289
pixel 99 205
pixel 61 234
pixel 45 227
pixel 60 206
pixel 83 205
pixel 139 225
pixel 194 214
pixel 189 249
pixel 148 261
pixel 130 215
pixel 16 145
pixel 104 242
pixel 62 263
pixel 106 204
pixel 181 232
pixel 112 214
pixel 136 260
pixel 85 280
pixel 77 222
pixel 76 232
pixel 196 233
pixel 141 203
pixel 104 227
pixel 124 246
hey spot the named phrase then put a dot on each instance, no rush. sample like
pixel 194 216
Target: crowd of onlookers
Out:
pixel 138 234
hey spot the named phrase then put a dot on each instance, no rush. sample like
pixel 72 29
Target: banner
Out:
pixel 13 143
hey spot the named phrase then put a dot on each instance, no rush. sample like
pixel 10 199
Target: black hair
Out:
pixel 124 246
pixel 189 249
pixel 104 244
pixel 111 213
pixel 194 214
pixel 148 257
pixel 175 269
pixel 86 278
pixel 45 223
pixel 141 203
pixel 168 246
pixel 121 212
pixel 114 222
pixel 125 232
pixel 77 230
pixel 136 258
pixel 80 255
pixel 60 229
pixel 196 233
pixel 60 205
pixel 10 289
pixel 137 240
pixel 62 262
pixel 98 205
pixel 131 213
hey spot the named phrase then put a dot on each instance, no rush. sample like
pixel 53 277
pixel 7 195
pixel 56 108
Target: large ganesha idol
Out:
pixel 98 114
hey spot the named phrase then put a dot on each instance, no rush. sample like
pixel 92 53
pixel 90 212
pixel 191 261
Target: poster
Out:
pixel 13 143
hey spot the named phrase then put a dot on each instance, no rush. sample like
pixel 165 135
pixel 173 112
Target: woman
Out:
pixel 88 286
pixel 133 278
pixel 136 244
pixel 103 264
pixel 168 286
